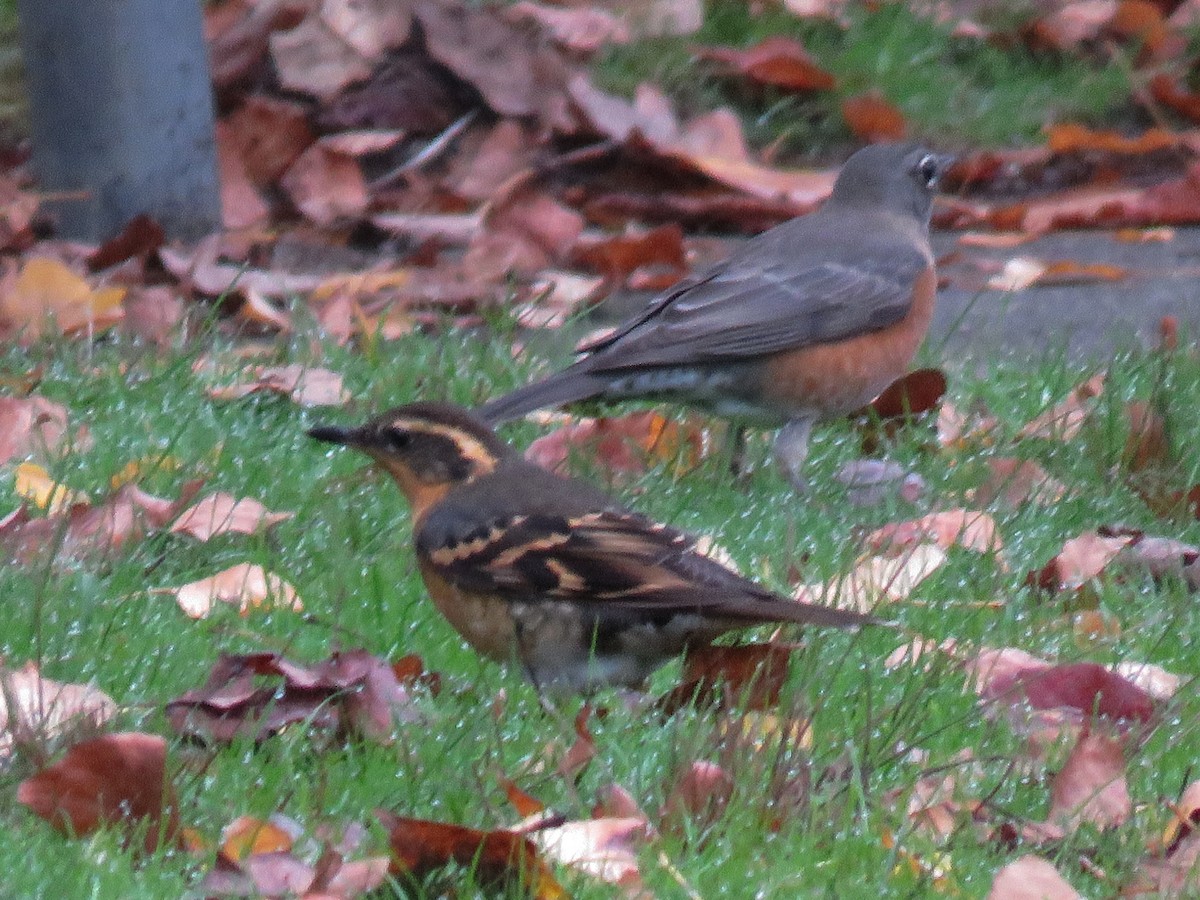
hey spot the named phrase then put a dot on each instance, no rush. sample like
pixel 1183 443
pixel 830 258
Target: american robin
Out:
pixel 809 320
pixel 549 571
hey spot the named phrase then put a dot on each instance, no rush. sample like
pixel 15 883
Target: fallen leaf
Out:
pixel 241 204
pixel 779 62
pixel 1031 878
pixel 221 513
pixel 1091 786
pixel 305 385
pixel 268 135
pixel 326 184
pixel 245 585
pixel 32 426
pixel 35 484
pixel 871 482
pixel 420 846
pixel 699 795
pixel 744 677
pixel 141 236
pixel 959 527
pixel 1063 421
pixel 583 29
pixel 312 59
pixel 876 580
pixel 45 297
pixel 1147 444
pixel 605 849
pixel 248 836
pixel 1081 559
pixel 872 118
pixel 118 780
pixel 260 694
pixel 1070 137
pixel 625 444
pixel 33 707
pixel 1013 482
pixel 1085 688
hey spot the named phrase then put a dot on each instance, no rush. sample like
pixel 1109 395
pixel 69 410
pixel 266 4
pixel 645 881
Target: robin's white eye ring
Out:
pixel 929 168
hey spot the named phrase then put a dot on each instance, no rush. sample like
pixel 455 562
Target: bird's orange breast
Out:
pixel 838 377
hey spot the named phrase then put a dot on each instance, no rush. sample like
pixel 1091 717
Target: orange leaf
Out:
pixel 48 298
pixel 872 118
pixel 776 61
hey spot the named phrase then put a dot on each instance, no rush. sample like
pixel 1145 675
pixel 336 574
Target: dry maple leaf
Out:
pixel 221 513
pixel 118 779
pixel 36 708
pixel 245 586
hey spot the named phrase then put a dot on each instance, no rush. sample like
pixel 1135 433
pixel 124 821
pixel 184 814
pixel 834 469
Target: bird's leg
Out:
pixel 791 449
pixel 737 452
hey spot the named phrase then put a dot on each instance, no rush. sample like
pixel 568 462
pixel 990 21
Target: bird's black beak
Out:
pixel 332 434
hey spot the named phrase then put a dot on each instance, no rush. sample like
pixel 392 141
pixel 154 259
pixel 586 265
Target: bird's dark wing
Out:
pixel 775 297
pixel 611 563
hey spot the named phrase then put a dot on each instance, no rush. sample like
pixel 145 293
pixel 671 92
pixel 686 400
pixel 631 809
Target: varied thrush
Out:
pixel 552 572
pixel 809 320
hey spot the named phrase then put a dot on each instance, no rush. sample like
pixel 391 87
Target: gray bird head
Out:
pixel 900 178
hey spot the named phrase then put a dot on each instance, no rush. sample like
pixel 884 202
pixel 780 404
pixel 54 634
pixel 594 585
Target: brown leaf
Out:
pixel 1081 559
pixel 237 38
pixel 326 184
pixel 620 256
pixel 241 204
pixel 141 236
pixel 1031 878
pixel 1091 785
pixel 268 135
pixel 420 846
pixel 516 74
pixel 304 385
pixel 153 314
pixel 583 29
pixel 779 62
pixel 352 692
pixel 1147 445
pixel 699 794
pixel 1071 23
pixel 872 118
pixel 583 750
pixel 949 528
pixel 31 426
pixel 1064 421
pixel 221 513
pixel 1167 91
pixel 748 676
pixel 1082 687
pixel 119 779
pixel 83 529
pixel 312 59
pixel 1013 482
pixel 244 585
pixel 523 231
pixel 35 708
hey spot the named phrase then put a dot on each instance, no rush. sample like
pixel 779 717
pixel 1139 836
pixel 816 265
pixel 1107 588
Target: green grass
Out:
pixel 347 553
pixel 954 92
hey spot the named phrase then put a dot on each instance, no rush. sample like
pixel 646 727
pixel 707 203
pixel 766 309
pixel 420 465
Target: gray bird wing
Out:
pixel 775 295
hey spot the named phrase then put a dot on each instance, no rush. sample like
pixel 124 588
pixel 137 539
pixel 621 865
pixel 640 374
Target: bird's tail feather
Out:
pixel 562 388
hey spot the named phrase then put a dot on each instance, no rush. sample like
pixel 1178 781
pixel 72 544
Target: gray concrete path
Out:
pixel 1085 320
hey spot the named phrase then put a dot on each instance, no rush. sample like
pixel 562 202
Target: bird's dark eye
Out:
pixel 398 440
pixel 929 168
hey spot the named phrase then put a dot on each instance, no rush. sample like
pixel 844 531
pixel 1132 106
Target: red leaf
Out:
pixel 779 62
pixel 1086 687
pixel 118 779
